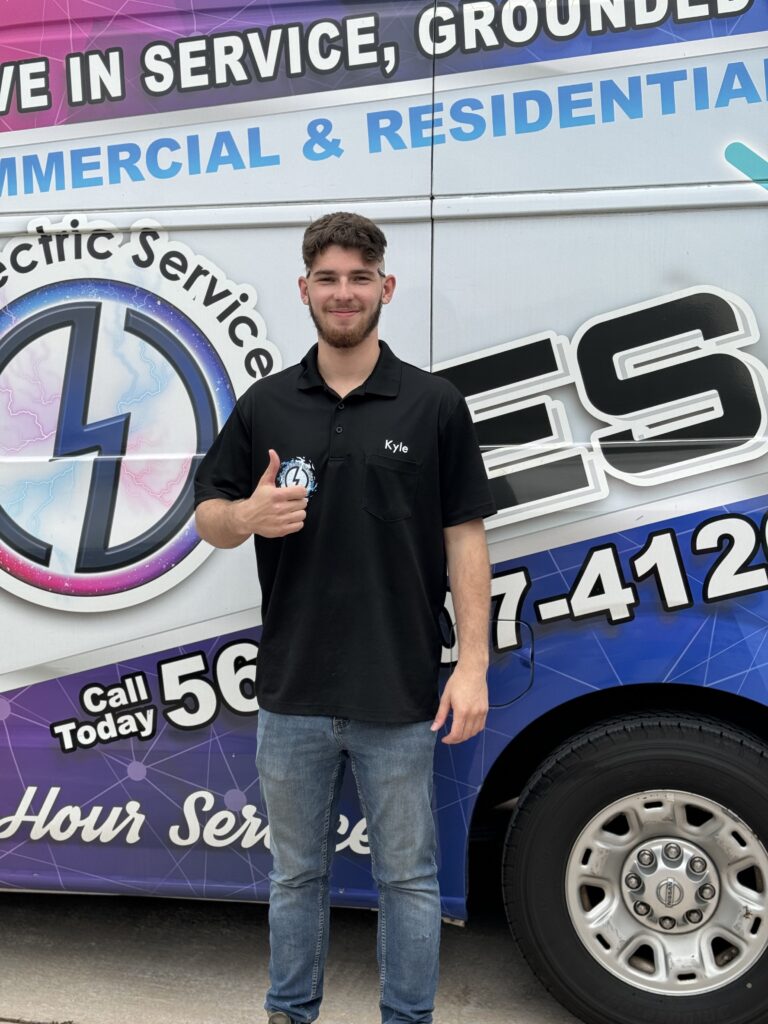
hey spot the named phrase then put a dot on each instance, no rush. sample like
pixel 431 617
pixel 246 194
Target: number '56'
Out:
pixel 193 697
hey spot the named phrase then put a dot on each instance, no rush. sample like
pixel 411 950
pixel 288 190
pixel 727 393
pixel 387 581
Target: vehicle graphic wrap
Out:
pixel 575 198
pixel 180 57
pixel 112 395
pixel 154 757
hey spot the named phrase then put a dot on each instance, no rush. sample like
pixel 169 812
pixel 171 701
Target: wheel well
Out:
pixel 533 745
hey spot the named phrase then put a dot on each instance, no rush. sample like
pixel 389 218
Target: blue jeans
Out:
pixel 301 761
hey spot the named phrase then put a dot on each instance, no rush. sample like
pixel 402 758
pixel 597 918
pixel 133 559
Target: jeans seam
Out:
pixel 323 885
pixel 382 902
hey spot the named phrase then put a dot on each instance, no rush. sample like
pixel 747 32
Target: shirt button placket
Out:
pixel 338 430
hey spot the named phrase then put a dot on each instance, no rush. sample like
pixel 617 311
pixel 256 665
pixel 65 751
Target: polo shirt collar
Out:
pixel 384 379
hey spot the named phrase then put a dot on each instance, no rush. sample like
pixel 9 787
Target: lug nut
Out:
pixel 646 858
pixel 672 851
pixel 642 909
pixel 726 956
pixel 667 923
pixel 698 865
pixel 633 881
pixel 694 916
pixel 707 891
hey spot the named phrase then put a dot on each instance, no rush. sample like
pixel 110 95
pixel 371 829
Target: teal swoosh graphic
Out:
pixel 748 162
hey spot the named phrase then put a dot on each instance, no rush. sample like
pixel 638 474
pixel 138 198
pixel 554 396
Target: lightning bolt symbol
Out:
pixel 76 436
pixel 106 438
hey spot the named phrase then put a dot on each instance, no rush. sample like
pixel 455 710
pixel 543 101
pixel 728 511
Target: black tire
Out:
pixel 610 766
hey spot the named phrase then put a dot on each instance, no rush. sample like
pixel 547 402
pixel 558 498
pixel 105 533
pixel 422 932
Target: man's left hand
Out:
pixel 466 697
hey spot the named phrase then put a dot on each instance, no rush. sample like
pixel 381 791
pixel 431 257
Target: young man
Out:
pixel 381 482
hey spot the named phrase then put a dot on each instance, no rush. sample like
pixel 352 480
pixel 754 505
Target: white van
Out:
pixel 575 196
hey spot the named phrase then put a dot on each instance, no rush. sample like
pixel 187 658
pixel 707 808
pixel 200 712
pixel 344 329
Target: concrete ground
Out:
pixel 117 960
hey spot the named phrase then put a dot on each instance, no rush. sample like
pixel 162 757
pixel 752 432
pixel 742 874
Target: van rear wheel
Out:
pixel 635 873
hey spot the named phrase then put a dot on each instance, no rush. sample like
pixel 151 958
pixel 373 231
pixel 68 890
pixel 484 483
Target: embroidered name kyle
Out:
pixel 395 446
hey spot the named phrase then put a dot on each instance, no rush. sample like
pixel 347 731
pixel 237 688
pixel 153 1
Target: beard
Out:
pixel 341 338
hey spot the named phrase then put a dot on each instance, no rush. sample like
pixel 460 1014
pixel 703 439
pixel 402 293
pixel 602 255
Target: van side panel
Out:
pixel 576 211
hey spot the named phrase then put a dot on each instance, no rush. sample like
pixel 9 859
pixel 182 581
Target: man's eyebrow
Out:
pixel 353 273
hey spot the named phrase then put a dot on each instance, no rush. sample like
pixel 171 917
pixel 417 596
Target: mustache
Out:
pixel 341 338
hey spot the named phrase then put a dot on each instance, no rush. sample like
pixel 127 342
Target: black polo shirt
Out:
pixel 350 603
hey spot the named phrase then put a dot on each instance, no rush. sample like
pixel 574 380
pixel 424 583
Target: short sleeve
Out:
pixel 225 471
pixel 464 489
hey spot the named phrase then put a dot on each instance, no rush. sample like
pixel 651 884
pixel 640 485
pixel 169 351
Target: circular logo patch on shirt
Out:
pixel 298 472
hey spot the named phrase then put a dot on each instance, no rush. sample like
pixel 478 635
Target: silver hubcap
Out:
pixel 671 883
pixel 668 892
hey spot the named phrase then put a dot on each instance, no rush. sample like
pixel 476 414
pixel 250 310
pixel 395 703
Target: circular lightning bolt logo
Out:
pixel 109 397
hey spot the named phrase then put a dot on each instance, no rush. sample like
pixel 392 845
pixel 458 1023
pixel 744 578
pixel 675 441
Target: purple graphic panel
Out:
pixel 270 40
pixel 83 64
pixel 140 777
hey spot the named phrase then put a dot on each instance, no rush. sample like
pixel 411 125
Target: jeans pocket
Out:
pixel 390 487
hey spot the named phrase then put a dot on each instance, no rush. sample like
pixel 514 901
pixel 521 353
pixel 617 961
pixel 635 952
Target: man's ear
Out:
pixel 304 290
pixel 389 288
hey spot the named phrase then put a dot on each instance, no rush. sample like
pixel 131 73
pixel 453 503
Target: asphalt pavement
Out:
pixel 115 960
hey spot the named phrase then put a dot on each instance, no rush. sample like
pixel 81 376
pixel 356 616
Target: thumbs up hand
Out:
pixel 272 511
pixel 269 476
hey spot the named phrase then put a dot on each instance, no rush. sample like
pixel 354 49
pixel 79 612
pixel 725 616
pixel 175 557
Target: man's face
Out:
pixel 345 293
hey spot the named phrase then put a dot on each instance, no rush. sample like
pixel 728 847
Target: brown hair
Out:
pixel 349 230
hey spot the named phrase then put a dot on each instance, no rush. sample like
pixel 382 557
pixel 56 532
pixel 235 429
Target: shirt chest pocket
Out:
pixel 390 486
